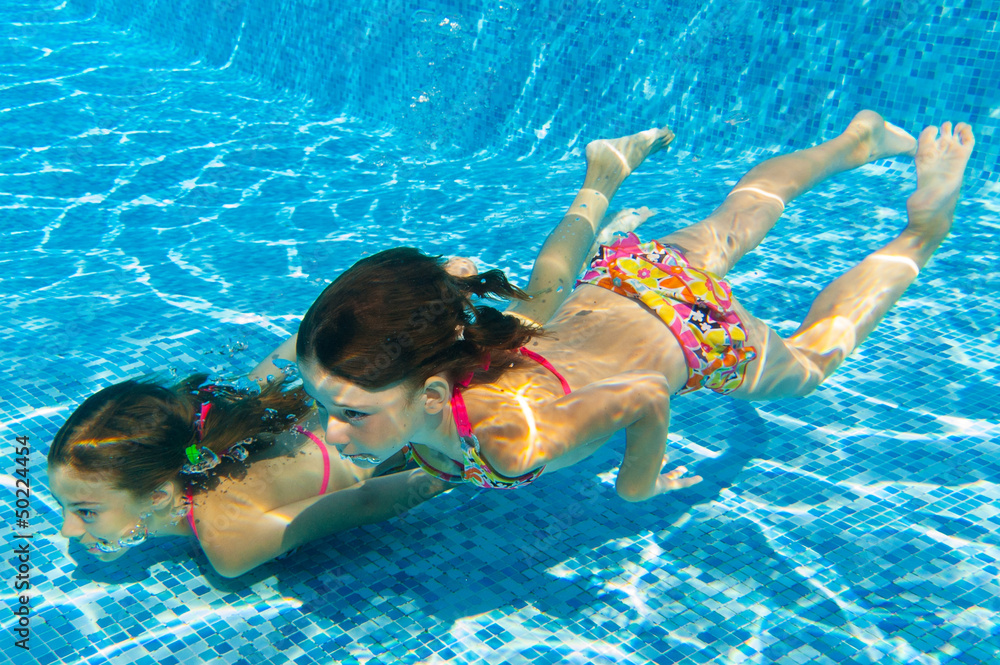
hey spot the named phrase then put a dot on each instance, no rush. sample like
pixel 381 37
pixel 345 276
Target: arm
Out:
pixel 638 402
pixel 242 540
pixel 285 351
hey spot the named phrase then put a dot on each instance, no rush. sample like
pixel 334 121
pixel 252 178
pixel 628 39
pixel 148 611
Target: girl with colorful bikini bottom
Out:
pixel 402 358
pixel 240 469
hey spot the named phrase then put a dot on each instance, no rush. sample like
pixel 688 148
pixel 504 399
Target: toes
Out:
pixel 964 133
pixel 929 134
pixel 946 130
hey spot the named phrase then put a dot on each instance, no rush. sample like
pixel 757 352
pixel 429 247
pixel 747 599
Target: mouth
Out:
pixel 362 457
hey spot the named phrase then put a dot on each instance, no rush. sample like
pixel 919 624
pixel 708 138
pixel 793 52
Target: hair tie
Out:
pixel 202 414
pixel 200 460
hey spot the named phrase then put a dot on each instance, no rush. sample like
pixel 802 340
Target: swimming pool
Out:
pixel 175 195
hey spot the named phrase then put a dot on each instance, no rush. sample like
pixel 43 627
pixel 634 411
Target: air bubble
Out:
pixel 287 367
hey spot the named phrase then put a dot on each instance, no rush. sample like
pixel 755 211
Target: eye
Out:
pixel 86 515
pixel 351 414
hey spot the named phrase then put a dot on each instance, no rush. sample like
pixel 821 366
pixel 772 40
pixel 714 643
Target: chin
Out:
pixel 105 556
pixel 364 462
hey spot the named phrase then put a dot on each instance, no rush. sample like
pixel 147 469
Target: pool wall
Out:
pixel 528 77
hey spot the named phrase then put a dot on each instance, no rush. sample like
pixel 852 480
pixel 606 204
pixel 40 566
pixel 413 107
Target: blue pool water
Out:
pixel 178 180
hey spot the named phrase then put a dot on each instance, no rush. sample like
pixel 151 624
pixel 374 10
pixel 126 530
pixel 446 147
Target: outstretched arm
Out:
pixel 237 543
pixel 567 248
pixel 563 431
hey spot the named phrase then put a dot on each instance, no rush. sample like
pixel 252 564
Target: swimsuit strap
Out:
pixel 411 454
pixel 461 414
pixel 323 451
pixel 477 470
pixel 189 497
pixel 537 357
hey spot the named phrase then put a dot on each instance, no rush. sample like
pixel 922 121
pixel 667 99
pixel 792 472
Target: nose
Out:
pixel 72 526
pixel 336 432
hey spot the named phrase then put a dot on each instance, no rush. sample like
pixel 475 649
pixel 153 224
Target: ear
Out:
pixel 436 393
pixel 163 496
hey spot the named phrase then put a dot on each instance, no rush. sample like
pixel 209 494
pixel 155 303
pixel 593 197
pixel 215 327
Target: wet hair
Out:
pixel 134 434
pixel 400 316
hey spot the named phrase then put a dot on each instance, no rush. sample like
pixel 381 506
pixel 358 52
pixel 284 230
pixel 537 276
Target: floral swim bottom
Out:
pixel 696 306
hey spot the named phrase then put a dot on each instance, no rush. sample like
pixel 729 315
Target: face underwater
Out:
pixel 97 515
pixel 368 426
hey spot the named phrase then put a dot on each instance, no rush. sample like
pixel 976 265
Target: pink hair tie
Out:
pixel 200 459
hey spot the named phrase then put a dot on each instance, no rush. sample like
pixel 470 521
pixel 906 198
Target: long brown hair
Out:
pixel 400 316
pixel 134 433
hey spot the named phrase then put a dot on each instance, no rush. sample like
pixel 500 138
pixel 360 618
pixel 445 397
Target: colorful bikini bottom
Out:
pixel 696 306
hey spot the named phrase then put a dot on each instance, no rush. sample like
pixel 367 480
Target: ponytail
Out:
pixel 135 433
pixel 490 284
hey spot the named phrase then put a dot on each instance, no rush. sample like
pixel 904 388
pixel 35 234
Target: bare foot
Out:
pixel 615 159
pixel 941 159
pixel 625 221
pixel 880 139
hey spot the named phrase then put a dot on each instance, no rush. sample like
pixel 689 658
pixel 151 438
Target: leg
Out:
pixel 848 309
pixel 609 162
pixel 623 221
pixel 752 207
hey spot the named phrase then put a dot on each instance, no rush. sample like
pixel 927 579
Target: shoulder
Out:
pixel 512 434
pixel 229 529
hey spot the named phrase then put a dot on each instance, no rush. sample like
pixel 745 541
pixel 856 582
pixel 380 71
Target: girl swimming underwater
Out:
pixel 242 471
pixel 402 358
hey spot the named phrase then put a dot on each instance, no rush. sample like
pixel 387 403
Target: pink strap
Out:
pixel 547 365
pixel 458 409
pixel 323 451
pixel 190 501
